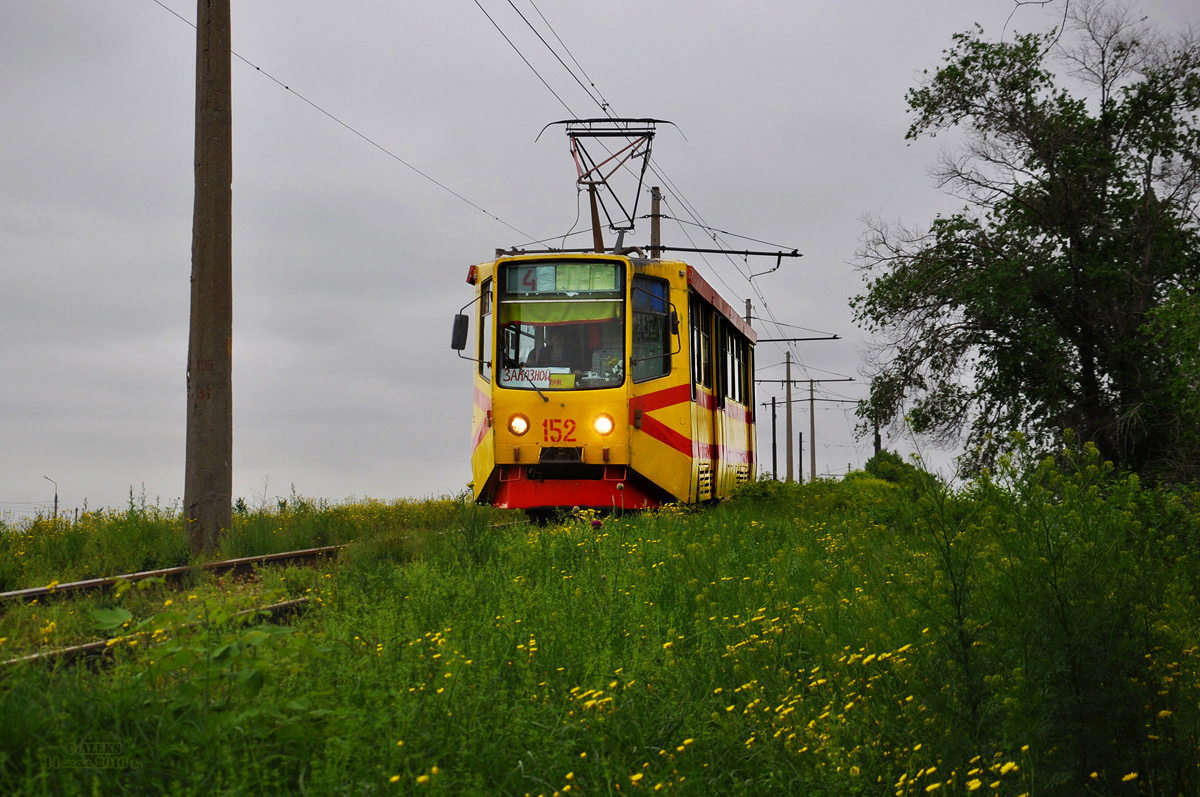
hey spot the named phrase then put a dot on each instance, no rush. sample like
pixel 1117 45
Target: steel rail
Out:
pixel 104 647
pixel 241 566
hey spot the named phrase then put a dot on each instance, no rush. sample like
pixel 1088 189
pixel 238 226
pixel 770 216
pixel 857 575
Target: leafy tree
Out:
pixel 891 468
pixel 1030 309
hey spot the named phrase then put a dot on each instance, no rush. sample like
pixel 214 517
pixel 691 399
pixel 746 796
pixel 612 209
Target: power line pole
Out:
pixel 208 475
pixel 787 423
pixel 812 435
pixel 800 451
pixel 812 426
pixel 774 448
pixel 47 478
pixel 655 224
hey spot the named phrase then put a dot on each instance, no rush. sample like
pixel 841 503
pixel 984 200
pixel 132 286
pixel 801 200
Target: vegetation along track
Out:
pixel 236 567
pixel 240 567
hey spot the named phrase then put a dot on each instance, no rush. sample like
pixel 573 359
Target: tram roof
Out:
pixel 710 295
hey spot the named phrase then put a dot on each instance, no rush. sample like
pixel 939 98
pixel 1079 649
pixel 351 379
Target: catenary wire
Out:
pixel 552 51
pixel 351 128
pixel 520 54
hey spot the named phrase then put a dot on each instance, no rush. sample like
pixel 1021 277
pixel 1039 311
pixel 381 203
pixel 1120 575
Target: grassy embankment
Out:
pixel 1033 633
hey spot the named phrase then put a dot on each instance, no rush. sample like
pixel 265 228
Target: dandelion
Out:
pixel 974 784
pixel 422 779
pixel 1130 776
pixel 394 779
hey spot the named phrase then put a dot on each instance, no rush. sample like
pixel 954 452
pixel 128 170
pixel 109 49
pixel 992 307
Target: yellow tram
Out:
pixel 607 381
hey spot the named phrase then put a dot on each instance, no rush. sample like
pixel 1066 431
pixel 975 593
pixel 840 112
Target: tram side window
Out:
pixel 724 354
pixel 736 386
pixel 485 330
pixel 748 362
pixel 700 321
pixel 730 363
pixel 652 342
pixel 694 339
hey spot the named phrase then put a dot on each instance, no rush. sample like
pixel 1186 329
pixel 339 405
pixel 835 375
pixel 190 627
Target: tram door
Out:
pixel 704 396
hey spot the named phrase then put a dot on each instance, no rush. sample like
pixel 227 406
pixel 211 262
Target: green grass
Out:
pixel 1035 632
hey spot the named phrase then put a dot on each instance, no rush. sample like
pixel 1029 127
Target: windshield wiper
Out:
pixel 533 384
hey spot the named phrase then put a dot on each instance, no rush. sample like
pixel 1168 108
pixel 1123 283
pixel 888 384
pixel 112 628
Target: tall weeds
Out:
pixel 1035 632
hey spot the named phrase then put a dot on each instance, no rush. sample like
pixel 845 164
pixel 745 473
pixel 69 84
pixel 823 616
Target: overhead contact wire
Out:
pixel 352 129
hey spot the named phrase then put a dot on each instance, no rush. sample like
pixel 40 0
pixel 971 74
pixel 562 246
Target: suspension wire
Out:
pixel 716 273
pixel 794 326
pixel 520 54
pixel 604 102
pixel 722 232
pixel 349 127
pixel 552 51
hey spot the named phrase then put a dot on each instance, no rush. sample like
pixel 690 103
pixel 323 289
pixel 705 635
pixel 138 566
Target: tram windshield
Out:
pixel 562 325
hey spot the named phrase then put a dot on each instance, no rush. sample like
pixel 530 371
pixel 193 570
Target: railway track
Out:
pixel 104 647
pixel 237 567
pixel 99 649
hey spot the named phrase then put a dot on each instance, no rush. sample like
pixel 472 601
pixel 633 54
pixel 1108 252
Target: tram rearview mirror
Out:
pixel 458 340
pixel 675 323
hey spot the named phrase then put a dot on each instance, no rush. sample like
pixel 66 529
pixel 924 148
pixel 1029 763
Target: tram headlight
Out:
pixel 603 424
pixel 518 424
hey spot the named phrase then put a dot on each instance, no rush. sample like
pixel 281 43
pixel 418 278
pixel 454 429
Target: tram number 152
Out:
pixel 558 430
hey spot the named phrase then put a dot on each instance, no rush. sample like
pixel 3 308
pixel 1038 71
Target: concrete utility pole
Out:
pixel 800 451
pixel 208 474
pixel 774 448
pixel 787 422
pixel 47 478
pixel 812 436
pixel 655 224
pixel 812 425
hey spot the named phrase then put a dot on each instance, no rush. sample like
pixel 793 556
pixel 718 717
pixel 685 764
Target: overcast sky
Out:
pixel 349 264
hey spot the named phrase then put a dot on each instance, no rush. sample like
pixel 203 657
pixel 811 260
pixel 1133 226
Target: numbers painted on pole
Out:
pixel 558 430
